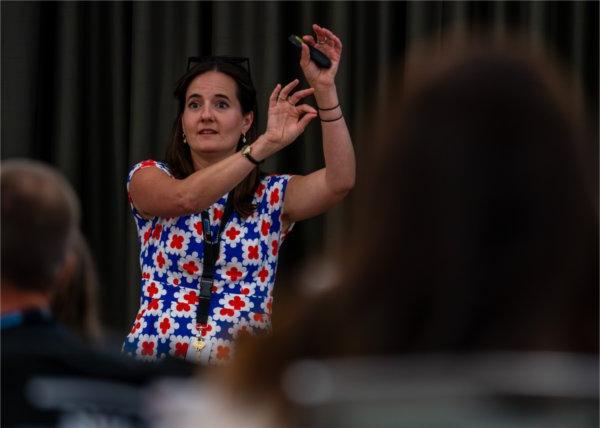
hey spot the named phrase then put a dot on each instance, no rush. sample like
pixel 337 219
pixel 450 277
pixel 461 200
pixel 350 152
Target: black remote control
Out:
pixel 316 55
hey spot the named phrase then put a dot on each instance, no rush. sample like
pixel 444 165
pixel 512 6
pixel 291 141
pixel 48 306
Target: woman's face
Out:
pixel 212 120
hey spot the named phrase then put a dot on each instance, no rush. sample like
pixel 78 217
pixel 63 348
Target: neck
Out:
pixel 15 299
pixel 207 159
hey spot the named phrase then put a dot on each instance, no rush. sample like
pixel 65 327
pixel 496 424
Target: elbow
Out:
pixel 185 204
pixel 348 185
pixel 342 189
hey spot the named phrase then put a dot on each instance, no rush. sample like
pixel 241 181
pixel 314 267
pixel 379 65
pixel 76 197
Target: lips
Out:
pixel 207 132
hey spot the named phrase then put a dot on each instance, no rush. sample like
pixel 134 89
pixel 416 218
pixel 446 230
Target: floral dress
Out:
pixel 171 255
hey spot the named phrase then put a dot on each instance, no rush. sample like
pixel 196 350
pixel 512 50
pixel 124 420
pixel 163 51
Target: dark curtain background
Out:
pixel 87 86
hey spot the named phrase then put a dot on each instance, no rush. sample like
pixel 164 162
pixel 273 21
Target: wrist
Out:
pixel 327 99
pixel 247 153
pixel 262 148
pixel 324 89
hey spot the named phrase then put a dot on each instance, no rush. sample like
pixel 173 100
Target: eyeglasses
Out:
pixel 236 60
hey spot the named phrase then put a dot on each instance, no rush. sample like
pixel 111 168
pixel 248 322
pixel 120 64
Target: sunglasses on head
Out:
pixel 236 60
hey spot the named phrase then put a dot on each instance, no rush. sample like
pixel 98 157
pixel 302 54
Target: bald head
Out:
pixel 40 215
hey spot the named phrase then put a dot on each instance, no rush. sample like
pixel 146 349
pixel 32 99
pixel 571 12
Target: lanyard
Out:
pixel 211 254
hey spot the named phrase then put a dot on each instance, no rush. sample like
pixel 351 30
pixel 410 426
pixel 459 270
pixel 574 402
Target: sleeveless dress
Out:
pixel 171 255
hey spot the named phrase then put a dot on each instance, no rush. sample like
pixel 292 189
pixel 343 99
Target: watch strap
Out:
pixel 247 155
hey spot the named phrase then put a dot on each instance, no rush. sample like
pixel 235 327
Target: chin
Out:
pixel 213 149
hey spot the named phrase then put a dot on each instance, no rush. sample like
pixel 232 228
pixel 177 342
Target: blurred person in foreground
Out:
pixel 475 232
pixel 46 369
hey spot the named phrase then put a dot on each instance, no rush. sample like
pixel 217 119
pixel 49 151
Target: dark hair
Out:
pixel 489 227
pixel 40 216
pixel 475 222
pixel 178 155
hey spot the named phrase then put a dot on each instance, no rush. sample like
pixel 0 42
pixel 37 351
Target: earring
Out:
pixel 184 139
pixel 244 138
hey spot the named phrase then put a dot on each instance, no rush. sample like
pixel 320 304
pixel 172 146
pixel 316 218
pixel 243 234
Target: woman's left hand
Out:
pixel 286 120
pixel 331 46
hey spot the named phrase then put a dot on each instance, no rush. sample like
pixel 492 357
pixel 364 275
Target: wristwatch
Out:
pixel 246 150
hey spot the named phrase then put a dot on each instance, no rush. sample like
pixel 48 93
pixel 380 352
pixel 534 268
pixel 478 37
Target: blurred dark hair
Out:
pixel 40 217
pixel 75 303
pixel 475 226
pixel 178 155
pixel 475 220
pixel 482 187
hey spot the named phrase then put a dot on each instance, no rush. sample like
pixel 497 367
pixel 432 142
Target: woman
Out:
pixel 209 223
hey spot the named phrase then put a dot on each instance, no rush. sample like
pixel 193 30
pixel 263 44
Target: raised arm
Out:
pixel 154 193
pixel 313 194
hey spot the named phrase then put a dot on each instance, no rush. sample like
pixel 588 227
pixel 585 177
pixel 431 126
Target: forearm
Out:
pixel 155 194
pixel 205 186
pixel 340 164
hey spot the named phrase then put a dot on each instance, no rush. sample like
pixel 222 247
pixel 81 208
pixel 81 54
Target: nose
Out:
pixel 206 114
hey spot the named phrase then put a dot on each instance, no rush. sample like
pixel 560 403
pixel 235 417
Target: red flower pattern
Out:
pixel 260 189
pixel 253 252
pixel 191 297
pixel 237 303
pixel 183 306
pixel 217 214
pixel 171 268
pixel 181 349
pixel 148 348
pixel 234 274
pixel 263 274
pixel 160 260
pixel 232 233
pixel 177 242
pixel 227 312
pixel 274 197
pixel 190 267
pixel 264 228
pixel 165 325
pixel 152 289
pixel 157 231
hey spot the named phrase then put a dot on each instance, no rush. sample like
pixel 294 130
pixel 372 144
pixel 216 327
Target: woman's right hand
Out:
pixel 286 120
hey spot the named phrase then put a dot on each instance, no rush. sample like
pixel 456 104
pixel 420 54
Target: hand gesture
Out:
pixel 331 46
pixel 286 120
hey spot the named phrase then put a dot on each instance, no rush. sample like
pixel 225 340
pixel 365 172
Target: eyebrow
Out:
pixel 216 96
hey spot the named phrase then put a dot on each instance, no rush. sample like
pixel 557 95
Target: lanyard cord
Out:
pixel 211 254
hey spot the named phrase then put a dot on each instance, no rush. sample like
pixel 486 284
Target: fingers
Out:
pixel 305 120
pixel 326 37
pixel 287 88
pixel 304 56
pixel 305 108
pixel 310 40
pixel 274 96
pixel 280 94
pixel 297 96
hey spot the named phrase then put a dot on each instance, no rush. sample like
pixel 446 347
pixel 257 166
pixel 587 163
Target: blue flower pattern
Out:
pixel 171 255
